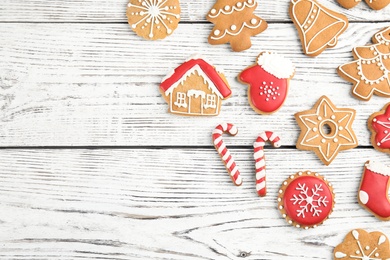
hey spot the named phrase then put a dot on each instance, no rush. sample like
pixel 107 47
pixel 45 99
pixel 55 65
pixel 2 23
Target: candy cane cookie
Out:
pixel 260 158
pixel 227 158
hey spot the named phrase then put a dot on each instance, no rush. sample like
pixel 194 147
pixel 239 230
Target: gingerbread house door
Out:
pixel 196 99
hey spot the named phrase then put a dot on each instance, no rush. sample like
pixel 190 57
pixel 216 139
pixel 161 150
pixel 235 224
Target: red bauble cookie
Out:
pixel 379 125
pixel 306 199
pixel 268 82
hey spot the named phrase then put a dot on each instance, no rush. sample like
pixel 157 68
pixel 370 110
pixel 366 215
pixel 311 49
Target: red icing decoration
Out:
pixel 381 125
pixel 274 89
pixel 375 185
pixel 318 200
pixel 208 69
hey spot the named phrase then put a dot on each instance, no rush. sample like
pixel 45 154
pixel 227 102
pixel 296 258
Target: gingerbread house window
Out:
pixel 181 100
pixel 210 101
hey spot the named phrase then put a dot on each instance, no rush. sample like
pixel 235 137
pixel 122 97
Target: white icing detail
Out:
pixel 355 234
pixel 260 186
pixel 260 174
pixel 305 28
pixel 233 27
pixel 239 180
pixel 363 197
pixel 258 154
pixel 258 144
pixel 233 9
pixel 253 21
pixel 244 25
pixel 340 255
pixel 260 164
pixel 217 140
pixel 217 32
pixel 217 131
pixel 378 167
pixel 226 156
pixel 263 136
pixel 309 203
pixel 276 65
pixel 381 240
pixel 196 93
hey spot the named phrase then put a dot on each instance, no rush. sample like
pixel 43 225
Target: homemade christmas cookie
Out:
pixel 369 72
pixel 268 82
pixel 224 152
pixel 195 88
pixel 374 187
pixel 379 125
pixel 318 27
pixel 235 23
pixel 153 19
pixel 259 157
pixel 306 199
pixel 326 130
pixel 374 4
pixel 359 244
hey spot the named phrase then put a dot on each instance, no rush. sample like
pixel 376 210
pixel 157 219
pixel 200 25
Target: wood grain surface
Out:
pixel 93 167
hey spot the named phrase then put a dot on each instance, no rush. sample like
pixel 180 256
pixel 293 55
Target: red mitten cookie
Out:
pixel 268 82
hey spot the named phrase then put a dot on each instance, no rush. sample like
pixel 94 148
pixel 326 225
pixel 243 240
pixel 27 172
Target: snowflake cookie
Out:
pixel 153 19
pixel 306 199
pixel 359 244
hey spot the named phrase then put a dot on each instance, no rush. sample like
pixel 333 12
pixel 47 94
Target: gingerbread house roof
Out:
pixel 207 71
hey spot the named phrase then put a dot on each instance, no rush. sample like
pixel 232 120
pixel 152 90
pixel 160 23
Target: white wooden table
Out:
pixel 93 167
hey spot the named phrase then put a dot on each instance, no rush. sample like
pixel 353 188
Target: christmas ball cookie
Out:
pixel 359 244
pixel 306 199
pixel 153 19
pixel 268 82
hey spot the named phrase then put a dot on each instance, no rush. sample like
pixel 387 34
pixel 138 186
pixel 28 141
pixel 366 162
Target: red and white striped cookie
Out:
pixel 227 158
pixel 260 158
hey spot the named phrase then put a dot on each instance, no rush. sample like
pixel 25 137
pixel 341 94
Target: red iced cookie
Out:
pixel 379 125
pixel 306 199
pixel 268 82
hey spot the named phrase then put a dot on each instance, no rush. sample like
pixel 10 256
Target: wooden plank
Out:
pixel 166 204
pixel 192 11
pixel 97 84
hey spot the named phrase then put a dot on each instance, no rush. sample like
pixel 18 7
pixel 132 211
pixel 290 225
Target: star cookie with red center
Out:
pixel 379 125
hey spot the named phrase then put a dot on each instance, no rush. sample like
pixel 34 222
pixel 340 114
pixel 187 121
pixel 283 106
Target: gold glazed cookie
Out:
pixel 235 23
pixel 369 72
pixel 195 88
pixel 306 199
pixel 318 27
pixel 374 4
pixel 359 244
pixel 153 19
pixel 326 130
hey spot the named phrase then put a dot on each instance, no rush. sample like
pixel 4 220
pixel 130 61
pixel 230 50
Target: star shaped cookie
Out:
pixel 326 130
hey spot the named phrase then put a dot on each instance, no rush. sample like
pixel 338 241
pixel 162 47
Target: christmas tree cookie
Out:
pixel 369 72
pixel 235 23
